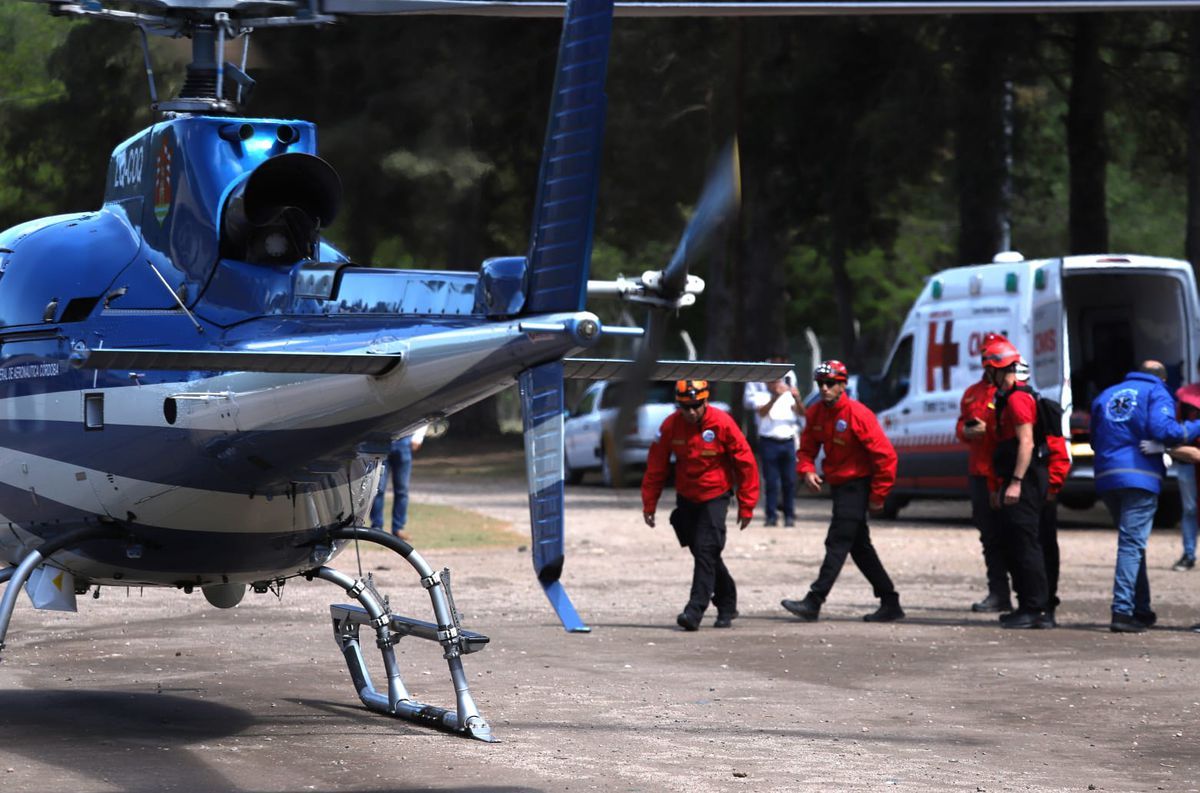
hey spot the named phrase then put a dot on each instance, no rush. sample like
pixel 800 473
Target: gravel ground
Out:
pixel 157 691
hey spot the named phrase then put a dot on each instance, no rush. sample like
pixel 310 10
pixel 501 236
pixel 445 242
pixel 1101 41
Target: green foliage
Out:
pixel 436 125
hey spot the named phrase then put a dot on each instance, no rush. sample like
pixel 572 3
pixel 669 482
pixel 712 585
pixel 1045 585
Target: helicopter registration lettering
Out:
pixel 28 371
pixel 127 167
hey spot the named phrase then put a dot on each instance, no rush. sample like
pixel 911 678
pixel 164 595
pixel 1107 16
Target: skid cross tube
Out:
pixel 466 719
pixel 17 576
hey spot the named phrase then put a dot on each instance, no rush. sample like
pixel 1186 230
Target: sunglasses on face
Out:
pixel 693 407
pixel 827 383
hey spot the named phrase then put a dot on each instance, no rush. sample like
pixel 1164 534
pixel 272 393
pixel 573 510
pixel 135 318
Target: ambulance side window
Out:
pixel 897 377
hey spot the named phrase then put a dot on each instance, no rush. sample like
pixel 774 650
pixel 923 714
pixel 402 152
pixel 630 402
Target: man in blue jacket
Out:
pixel 1137 409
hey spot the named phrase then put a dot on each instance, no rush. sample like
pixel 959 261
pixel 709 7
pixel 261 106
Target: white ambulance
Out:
pixel 1082 322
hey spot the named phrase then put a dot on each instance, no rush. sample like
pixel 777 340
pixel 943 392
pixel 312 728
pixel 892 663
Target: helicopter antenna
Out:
pixel 178 300
pixel 149 67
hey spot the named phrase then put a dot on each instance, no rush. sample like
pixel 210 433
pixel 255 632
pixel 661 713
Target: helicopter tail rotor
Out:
pixel 667 290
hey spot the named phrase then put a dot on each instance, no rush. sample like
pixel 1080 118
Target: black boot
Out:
pixel 889 610
pixel 992 603
pixel 808 609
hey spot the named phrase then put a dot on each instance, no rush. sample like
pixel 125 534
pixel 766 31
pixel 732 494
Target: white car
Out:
pixel 589 429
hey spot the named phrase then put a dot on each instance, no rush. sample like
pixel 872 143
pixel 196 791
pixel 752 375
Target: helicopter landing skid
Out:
pixel 391 628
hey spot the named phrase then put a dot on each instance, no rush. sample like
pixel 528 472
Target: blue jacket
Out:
pixel 1140 408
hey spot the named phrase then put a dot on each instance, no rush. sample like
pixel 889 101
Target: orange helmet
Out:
pixel 831 370
pixel 690 391
pixel 1000 354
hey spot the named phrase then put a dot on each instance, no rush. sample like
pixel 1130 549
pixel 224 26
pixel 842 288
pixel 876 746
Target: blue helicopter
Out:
pixel 197 386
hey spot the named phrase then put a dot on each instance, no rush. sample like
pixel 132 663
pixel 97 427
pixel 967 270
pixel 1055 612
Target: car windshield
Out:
pixel 660 393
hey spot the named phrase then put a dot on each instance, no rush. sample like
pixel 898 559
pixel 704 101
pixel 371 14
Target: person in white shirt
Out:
pixel 777 409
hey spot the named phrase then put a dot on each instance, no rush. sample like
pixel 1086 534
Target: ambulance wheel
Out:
pixel 572 476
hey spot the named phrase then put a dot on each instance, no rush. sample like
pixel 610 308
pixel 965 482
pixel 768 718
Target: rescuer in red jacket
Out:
pixel 1058 465
pixel 712 461
pixel 1021 477
pixel 860 465
pixel 977 428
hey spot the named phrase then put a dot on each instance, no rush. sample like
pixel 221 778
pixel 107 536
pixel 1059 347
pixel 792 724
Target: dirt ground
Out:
pixel 157 691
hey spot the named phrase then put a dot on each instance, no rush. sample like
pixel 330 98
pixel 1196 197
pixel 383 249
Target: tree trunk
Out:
pixel 1086 147
pixel 982 140
pixel 843 288
pixel 1193 144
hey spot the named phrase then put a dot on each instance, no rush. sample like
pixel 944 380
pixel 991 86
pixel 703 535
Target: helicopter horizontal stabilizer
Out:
pixel 542 416
pixel 742 8
pixel 717 371
pixel 278 362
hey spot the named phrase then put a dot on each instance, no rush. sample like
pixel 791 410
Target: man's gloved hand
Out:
pixel 1151 447
pixel 649 518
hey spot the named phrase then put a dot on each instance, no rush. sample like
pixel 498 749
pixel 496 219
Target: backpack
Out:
pixel 1049 414
pixel 1048 422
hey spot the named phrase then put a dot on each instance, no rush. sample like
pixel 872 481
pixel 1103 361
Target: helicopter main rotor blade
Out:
pixel 504 8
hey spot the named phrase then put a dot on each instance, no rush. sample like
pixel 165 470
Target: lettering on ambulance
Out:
pixel 1047 360
pixel 940 355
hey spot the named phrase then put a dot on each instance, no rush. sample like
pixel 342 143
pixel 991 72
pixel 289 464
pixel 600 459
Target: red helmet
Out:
pixel 691 391
pixel 831 370
pixel 1001 354
pixel 989 339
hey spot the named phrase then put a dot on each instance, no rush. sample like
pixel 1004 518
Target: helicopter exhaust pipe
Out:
pixel 275 215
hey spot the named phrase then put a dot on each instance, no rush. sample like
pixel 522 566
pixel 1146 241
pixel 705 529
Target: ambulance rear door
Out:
pixel 1047 356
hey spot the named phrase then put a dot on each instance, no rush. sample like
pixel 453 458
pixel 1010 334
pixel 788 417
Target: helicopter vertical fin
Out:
pixel 560 248
pixel 542 415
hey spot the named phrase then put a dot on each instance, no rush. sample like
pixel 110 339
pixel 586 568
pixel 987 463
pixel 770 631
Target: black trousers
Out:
pixel 1048 537
pixel 701 526
pixel 987 520
pixel 848 534
pixel 1021 527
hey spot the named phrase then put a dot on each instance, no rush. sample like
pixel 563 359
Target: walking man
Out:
pixel 860 465
pixel 1136 409
pixel 712 462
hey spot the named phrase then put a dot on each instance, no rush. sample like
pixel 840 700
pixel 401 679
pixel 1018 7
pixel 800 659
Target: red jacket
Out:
pixel 711 458
pixel 1060 462
pixel 978 402
pixel 855 446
